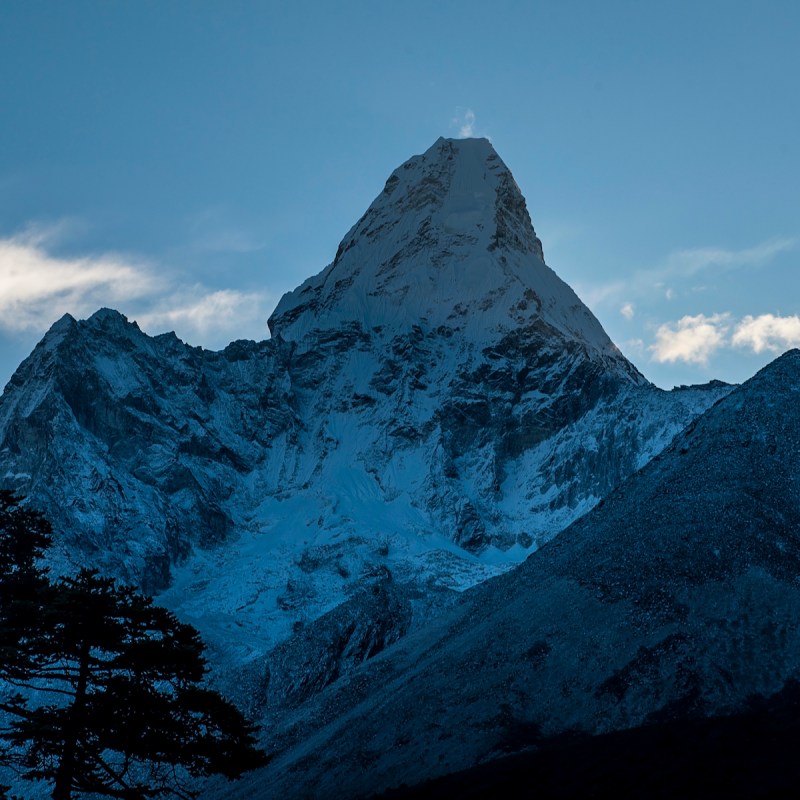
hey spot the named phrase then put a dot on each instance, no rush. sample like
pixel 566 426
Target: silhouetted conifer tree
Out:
pixel 24 588
pixel 112 701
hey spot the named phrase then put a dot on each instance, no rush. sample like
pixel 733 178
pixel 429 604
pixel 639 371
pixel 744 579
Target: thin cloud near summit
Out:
pixel 209 312
pixel 464 120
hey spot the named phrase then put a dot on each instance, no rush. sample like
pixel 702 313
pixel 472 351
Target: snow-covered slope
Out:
pixel 448 243
pixel 134 445
pixel 678 596
pixel 432 407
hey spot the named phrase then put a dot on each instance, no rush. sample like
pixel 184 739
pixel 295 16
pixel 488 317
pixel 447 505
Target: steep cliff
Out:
pixel 436 403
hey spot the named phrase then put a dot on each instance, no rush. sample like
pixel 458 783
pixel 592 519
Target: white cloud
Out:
pixel 627 310
pixel 691 339
pixel 202 313
pixel 41 234
pixel 767 332
pixel 464 120
pixel 694 339
pixel 37 287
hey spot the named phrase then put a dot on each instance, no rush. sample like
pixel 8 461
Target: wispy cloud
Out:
pixel 37 287
pixel 690 262
pixel 205 313
pixel 229 241
pixel 627 310
pixel 767 332
pixel 692 339
pixel 634 347
pixel 683 265
pixel 214 230
pixel 464 120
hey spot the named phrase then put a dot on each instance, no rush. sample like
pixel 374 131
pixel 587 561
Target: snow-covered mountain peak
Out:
pixel 447 244
pixel 464 188
pixel 109 318
pixel 433 406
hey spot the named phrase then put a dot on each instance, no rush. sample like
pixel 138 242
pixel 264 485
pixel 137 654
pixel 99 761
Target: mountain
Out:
pixel 134 444
pixel 676 597
pixel 448 245
pixel 431 408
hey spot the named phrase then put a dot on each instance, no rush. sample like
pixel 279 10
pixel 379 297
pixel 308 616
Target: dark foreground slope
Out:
pixel 677 597
pixel 745 755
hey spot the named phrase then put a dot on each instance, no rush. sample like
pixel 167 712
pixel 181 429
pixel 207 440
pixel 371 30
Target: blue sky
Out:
pixel 188 162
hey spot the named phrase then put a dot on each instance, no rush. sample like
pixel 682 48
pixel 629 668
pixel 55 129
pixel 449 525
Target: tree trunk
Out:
pixel 73 727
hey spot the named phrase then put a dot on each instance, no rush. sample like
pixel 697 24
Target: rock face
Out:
pixel 436 403
pixel 678 595
pixel 447 246
pixel 316 655
pixel 134 445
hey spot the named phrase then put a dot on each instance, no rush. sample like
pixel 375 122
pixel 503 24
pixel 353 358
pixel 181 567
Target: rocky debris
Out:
pixel 676 597
pixel 377 614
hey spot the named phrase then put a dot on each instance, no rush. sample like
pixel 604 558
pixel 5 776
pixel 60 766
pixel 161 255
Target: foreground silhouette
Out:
pixel 104 691
pixel 746 755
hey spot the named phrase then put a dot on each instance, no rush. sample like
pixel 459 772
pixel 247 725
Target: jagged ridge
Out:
pixel 677 596
pixel 436 403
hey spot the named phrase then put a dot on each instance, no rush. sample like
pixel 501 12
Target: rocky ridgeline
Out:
pixel 676 598
pixel 435 404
